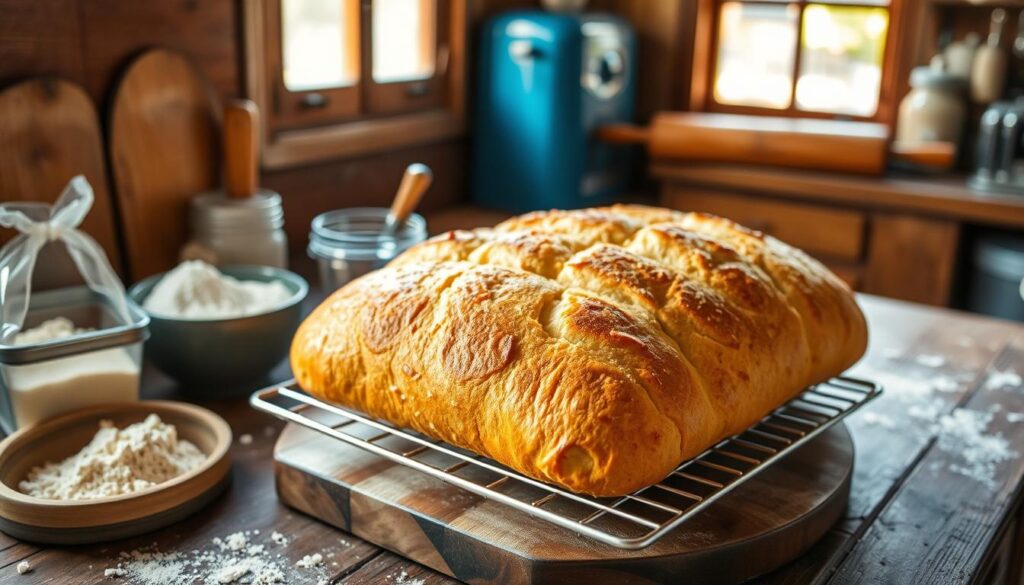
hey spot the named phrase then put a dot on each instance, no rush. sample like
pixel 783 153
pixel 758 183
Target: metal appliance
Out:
pixel 1000 154
pixel 546 81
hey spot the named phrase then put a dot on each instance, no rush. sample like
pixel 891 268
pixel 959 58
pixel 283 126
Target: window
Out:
pixel 319 44
pixel 403 40
pixel 345 77
pixel 798 58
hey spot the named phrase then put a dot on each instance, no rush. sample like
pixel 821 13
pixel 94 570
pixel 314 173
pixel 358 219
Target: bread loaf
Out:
pixel 593 349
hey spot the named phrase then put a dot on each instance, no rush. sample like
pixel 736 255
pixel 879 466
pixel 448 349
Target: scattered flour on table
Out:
pixel 999 380
pixel 930 360
pixel 874 419
pixel 23 567
pixel 279 538
pixel 196 290
pixel 403 578
pixel 234 542
pixel 235 558
pixel 961 434
pixel 945 384
pixel 891 353
pixel 116 462
pixel 929 411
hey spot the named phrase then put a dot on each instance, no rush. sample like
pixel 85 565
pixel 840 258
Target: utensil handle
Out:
pixel 241 144
pixel 415 182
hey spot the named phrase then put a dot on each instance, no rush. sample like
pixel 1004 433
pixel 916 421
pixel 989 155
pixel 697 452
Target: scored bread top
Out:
pixel 595 349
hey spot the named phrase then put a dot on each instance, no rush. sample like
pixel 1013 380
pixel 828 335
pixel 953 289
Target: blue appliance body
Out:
pixel 545 82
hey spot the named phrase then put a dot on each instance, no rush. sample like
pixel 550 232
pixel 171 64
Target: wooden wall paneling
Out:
pixel 49 132
pixel 40 38
pixel 912 258
pixel 115 31
pixel 164 149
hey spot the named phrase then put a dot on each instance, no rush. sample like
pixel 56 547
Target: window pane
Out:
pixel 404 39
pixel 841 59
pixel 319 43
pixel 756 53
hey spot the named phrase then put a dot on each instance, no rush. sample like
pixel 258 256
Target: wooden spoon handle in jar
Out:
pixel 415 182
pixel 241 139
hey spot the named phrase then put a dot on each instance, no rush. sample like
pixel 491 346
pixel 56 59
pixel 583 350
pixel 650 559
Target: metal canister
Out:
pixel 230 231
pixel 348 243
pixel 34 368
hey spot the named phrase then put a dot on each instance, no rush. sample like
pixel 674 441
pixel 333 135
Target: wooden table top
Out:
pixel 915 515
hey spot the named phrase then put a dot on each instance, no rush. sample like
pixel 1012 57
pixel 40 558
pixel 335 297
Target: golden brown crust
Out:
pixel 594 349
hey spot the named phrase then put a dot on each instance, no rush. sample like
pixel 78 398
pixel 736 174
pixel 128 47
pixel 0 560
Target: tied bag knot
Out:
pixel 41 224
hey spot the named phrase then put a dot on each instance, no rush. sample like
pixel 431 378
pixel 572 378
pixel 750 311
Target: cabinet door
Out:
pixel 824 232
pixel 911 258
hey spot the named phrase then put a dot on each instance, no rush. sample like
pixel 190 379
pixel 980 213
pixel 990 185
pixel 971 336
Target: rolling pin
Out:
pixel 241 148
pixel 827 145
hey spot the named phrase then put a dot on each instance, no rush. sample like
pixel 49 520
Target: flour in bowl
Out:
pixel 196 290
pixel 116 462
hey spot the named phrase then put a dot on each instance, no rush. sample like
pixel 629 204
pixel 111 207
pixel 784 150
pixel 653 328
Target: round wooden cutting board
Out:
pixel 759 526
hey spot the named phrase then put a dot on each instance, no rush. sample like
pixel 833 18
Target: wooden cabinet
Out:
pixel 821 231
pixel 899 255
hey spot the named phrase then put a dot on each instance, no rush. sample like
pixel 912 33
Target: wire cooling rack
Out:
pixel 630 522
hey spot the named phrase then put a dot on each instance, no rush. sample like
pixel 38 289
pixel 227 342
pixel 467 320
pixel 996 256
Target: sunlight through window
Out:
pixel 404 40
pixel 320 43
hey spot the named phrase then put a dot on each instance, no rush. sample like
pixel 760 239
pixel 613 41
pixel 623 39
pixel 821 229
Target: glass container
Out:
pixel 348 243
pixel 96 366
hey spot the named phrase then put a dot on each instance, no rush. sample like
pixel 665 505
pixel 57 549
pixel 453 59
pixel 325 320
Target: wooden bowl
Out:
pixel 89 521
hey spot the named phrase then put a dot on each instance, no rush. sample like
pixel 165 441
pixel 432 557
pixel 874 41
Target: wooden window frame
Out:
pixel 361 119
pixel 701 89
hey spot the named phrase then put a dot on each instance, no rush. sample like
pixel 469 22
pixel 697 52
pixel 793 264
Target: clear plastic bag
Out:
pixel 39 225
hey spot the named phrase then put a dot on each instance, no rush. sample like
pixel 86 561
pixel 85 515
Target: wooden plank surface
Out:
pixel 931 361
pixel 945 518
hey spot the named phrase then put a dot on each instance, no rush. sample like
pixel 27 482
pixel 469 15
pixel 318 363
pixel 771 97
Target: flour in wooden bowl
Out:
pixel 116 462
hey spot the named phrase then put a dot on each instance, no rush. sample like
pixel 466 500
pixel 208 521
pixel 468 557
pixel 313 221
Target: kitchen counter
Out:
pixel 941 196
pixel 912 518
pixel 898 235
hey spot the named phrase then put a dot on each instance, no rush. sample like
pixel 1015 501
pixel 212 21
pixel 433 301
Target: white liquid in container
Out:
pixel 46 389
pixel 42 390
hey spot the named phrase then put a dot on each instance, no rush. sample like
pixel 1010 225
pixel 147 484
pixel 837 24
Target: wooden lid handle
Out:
pixel 415 182
pixel 241 148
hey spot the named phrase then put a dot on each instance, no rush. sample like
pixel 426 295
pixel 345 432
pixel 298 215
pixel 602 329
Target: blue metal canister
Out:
pixel 546 81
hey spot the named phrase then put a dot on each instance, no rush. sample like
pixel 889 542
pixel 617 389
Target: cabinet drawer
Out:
pixel 820 231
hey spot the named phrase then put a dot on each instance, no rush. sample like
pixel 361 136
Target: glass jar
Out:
pixel 348 243
pixel 934 109
pixel 228 231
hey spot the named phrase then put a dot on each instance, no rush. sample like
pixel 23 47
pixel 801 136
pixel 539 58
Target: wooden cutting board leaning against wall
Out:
pixel 49 132
pixel 163 151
